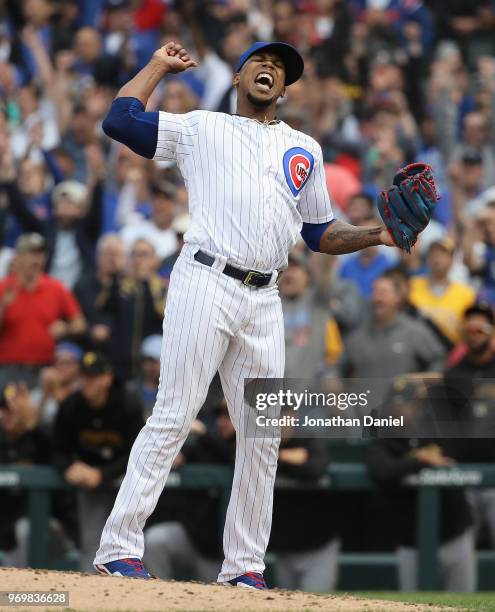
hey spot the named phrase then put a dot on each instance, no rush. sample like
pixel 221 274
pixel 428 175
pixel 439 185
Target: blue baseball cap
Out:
pixel 73 349
pixel 292 59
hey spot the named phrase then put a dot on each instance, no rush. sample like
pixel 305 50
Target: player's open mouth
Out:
pixel 264 81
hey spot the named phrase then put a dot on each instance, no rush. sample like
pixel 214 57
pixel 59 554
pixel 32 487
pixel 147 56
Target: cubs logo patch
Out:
pixel 298 165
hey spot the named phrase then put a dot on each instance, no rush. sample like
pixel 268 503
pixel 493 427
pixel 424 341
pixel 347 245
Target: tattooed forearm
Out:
pixel 341 238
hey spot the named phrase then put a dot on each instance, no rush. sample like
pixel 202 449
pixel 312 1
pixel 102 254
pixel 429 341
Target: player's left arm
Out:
pixel 321 231
pixel 340 237
pixel 405 208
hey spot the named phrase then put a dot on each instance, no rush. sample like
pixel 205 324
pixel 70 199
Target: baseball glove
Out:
pixel 406 207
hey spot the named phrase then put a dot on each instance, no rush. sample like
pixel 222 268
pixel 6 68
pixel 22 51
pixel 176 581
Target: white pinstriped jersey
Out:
pixel 251 186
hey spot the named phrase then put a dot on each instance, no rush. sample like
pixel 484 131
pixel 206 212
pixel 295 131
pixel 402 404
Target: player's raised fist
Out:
pixel 174 57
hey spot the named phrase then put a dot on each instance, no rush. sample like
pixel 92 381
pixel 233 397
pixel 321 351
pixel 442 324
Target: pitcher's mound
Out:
pixel 92 592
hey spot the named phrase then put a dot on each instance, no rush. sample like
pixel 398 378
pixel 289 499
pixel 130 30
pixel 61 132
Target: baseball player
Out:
pixel 254 183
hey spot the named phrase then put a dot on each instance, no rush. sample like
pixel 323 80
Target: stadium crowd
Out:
pixel 89 233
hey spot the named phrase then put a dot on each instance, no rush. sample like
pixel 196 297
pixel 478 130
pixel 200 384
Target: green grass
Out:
pixel 481 602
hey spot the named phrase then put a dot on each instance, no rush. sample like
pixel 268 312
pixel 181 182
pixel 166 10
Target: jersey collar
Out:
pixel 263 123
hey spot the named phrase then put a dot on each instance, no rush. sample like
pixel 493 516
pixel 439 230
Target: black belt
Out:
pixel 251 278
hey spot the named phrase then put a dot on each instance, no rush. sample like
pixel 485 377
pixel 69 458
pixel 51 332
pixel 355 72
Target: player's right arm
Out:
pixel 127 121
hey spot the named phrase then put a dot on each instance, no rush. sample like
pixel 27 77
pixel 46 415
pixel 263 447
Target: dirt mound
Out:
pixel 91 592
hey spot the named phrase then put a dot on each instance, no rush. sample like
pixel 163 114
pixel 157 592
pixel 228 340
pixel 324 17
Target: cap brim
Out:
pixel 292 59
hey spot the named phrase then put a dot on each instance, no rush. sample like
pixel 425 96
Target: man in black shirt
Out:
pixel 21 442
pixel 305 526
pixel 470 387
pixel 469 398
pixel 389 461
pixel 94 431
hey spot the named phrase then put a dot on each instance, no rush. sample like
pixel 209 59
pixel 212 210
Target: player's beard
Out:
pixel 258 103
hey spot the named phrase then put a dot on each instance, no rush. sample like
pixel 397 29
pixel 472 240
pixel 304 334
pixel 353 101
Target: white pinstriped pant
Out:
pixel 212 322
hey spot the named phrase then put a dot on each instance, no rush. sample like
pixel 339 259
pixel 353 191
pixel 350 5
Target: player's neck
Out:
pixel 263 115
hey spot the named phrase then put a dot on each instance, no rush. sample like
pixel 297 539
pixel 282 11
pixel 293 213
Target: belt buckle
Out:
pixel 249 277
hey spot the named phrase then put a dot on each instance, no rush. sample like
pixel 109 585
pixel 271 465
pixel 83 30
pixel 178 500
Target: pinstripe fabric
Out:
pixel 212 322
pixel 240 203
pixel 242 211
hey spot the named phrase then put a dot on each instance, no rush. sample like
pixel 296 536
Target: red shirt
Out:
pixel 25 328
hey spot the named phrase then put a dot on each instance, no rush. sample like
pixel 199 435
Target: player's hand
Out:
pixel 174 58
pixel 386 238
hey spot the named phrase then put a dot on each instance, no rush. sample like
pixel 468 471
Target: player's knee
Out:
pixel 171 426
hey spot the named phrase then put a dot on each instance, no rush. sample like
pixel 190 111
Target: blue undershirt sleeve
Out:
pixel 312 233
pixel 128 123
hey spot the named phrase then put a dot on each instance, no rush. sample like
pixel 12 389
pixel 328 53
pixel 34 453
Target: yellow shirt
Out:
pixel 444 309
pixel 333 342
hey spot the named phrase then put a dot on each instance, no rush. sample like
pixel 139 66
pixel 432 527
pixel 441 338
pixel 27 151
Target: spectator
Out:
pixel 36 310
pixel 312 338
pixel 465 22
pixel 360 208
pixel 479 251
pixel 390 460
pixel 87 48
pixel 71 234
pixel 403 281
pixel 132 31
pixel 6 253
pixel 213 72
pixel 390 343
pixel 180 225
pixel 308 560
pixel 477 145
pixel 472 402
pixel 439 298
pixel 22 443
pixel 33 183
pixel 127 198
pixel 35 111
pixel 341 296
pixel 95 428
pixel 146 385
pixel 92 288
pixel 158 230
pixel 136 303
pixel 468 183
pixel 366 266
pixel 393 17
pixel 57 382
